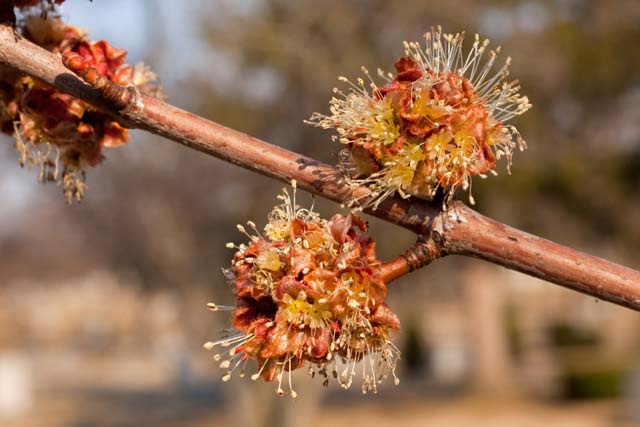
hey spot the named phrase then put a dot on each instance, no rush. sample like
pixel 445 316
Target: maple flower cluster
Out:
pixel 435 123
pixel 308 293
pixel 56 133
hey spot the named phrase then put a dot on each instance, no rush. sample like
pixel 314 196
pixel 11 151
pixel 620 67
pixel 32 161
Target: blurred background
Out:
pixel 103 304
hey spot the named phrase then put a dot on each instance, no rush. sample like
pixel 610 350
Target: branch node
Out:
pixel 425 250
pixel 115 96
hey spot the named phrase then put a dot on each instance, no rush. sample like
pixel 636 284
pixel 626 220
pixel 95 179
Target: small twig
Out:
pixel 460 230
pixel 421 253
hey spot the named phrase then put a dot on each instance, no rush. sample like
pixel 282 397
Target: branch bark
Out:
pixel 460 230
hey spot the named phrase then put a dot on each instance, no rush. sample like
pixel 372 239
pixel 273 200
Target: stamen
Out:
pixel 255 376
pixel 293 392
pixel 215 307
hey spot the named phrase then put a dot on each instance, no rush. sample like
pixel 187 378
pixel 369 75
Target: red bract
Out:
pixel 309 292
pixel 53 128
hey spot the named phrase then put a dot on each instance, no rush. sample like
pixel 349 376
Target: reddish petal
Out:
pixel 384 316
pixel 114 135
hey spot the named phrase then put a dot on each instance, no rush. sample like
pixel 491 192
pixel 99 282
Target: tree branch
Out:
pixel 460 230
pixel 472 234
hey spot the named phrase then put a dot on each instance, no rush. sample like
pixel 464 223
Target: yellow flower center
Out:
pixel 299 310
pixel 384 126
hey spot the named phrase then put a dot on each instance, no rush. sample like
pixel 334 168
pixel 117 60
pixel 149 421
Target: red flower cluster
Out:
pixel 310 292
pixel 424 114
pixel 51 126
pixel 435 123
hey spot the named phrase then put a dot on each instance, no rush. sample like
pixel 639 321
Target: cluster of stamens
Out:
pixel 308 293
pixel 434 124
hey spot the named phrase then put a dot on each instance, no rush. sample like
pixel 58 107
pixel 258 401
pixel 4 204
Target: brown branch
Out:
pixel 460 230
pixel 469 233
